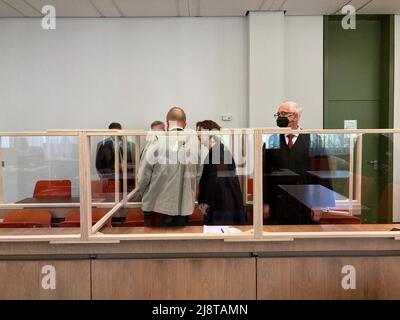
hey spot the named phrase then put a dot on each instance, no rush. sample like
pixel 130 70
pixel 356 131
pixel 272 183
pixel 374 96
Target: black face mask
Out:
pixel 282 122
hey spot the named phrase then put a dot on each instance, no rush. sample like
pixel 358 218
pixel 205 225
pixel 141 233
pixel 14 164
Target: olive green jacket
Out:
pixel 169 173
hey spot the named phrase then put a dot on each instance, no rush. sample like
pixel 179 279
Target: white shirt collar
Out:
pixel 294 134
pixel 174 128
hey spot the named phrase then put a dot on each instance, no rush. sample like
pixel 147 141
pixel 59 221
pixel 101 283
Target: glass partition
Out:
pixel 378 178
pixel 186 183
pixel 330 182
pixel 39 184
pixel 106 187
pixel 229 183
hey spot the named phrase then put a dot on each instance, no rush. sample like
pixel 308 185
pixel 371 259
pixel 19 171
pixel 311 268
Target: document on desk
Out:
pixel 220 229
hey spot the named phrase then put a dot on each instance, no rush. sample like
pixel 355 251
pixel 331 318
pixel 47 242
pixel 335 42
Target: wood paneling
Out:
pixel 321 278
pixel 345 245
pixel 224 278
pixel 23 280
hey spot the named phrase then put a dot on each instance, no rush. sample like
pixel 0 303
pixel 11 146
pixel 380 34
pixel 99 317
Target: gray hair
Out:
pixel 294 107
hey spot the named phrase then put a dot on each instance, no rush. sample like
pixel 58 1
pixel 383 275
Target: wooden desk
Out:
pixel 38 231
pixel 331 227
pixel 203 269
pixel 199 229
pixel 157 230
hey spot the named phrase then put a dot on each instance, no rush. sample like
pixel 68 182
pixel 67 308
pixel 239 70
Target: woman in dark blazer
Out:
pixel 220 196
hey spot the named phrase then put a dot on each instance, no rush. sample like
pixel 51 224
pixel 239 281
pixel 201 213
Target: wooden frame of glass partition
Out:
pixel 95 235
pixel 90 234
pixel 354 183
pixel 39 237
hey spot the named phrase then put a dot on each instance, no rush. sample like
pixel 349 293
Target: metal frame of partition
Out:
pixel 90 234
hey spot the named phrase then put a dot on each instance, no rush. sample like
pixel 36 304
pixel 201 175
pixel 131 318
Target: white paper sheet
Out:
pixel 220 229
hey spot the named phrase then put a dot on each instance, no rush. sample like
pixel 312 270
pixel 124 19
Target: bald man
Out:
pixel 287 160
pixel 169 173
pixel 176 119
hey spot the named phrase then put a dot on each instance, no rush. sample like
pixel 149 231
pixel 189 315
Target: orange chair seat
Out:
pixel 27 219
pixel 103 187
pixel 250 189
pixel 52 189
pixel 134 218
pixel 196 218
pixel 72 218
pixel 338 219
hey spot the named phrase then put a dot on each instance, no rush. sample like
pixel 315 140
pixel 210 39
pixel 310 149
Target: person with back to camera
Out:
pixel 169 174
pixel 220 196
pixel 105 159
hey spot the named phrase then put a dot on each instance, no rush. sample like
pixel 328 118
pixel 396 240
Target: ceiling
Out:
pixel 189 8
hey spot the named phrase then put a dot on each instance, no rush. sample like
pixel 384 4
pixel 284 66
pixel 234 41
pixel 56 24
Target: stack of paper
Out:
pixel 220 229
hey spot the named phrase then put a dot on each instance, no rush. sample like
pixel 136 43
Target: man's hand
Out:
pixel 316 215
pixel 203 208
pixel 266 211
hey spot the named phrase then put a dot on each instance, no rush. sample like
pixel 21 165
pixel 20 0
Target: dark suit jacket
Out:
pixel 105 164
pixel 283 166
pixel 220 187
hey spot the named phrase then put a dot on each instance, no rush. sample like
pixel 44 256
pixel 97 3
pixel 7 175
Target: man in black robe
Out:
pixel 287 158
pixel 220 196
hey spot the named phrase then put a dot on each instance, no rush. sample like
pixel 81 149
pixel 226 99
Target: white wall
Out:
pixel 304 67
pixel 89 72
pixel 285 63
pixel 266 66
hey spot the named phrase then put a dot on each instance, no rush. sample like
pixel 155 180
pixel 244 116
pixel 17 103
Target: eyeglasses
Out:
pixel 283 114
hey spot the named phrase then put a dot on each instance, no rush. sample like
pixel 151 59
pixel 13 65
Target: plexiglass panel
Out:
pixel 379 178
pixel 187 180
pixel 330 182
pixel 39 183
